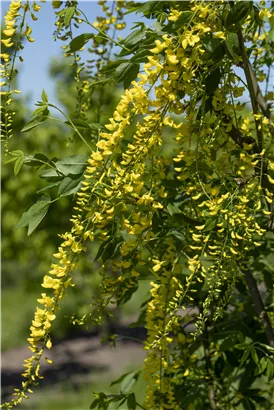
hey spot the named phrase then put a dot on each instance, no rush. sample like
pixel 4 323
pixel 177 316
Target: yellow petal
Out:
pixel 9 32
pixel 271 166
pixel 271 180
pixel 7 42
pixel 184 43
pixel 49 344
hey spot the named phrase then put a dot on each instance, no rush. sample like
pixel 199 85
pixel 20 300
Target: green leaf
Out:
pixel 99 39
pixel 34 123
pixel 254 355
pixel 267 347
pixel 120 379
pixel 54 184
pixel 78 42
pixel 213 81
pixel 112 65
pixel 51 175
pixel 211 44
pixel 184 18
pixel 247 404
pixel 230 341
pixel 44 96
pixel 215 48
pixel 36 160
pixel 134 37
pixel 239 11
pixel 210 224
pixel 177 234
pixel 95 125
pixel 107 249
pixel 17 153
pixel 69 186
pixel 245 356
pixel 149 7
pixel 18 164
pixel 126 73
pixel 270 369
pixel 173 209
pixel 34 215
pixel 261 366
pixel 42 111
pixel 127 294
pixel 131 402
pixel 11 160
pixel 200 167
pixel 95 403
pixel 232 45
pixel 133 7
pixel 129 381
pixel 140 57
pixel 56 4
pixel 78 123
pixel 74 164
pixel 122 402
pixel 69 13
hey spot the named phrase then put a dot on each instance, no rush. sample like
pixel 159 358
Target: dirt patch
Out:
pixel 76 360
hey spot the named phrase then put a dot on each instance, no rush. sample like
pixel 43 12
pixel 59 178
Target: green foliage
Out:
pixel 35 214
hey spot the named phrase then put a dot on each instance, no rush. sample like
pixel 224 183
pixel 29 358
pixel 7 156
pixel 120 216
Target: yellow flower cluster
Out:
pixel 110 20
pixel 7 69
pixel 15 28
pixel 10 26
pixel 57 281
pixel 162 320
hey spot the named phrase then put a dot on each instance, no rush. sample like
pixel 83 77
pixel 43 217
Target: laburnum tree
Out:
pixel 177 187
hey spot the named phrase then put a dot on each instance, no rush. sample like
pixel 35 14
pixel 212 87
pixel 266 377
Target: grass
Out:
pixel 66 396
pixel 17 307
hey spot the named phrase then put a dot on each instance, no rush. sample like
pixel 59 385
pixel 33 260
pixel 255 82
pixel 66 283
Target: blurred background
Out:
pixel 82 364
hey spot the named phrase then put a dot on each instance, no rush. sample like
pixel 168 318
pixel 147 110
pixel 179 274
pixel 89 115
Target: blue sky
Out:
pixel 33 72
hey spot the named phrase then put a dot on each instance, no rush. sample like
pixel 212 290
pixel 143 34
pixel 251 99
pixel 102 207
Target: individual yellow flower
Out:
pixel 174 14
pixel 7 43
pixel 49 282
pixel 219 34
pixel 9 32
pixel 264 13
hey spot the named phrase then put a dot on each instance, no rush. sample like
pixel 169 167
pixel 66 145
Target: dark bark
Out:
pixel 259 306
pixel 209 370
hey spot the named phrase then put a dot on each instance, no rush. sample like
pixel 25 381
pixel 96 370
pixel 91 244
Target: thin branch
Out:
pixel 259 306
pixel 257 99
pixel 209 370
pixel 253 89
pixel 237 136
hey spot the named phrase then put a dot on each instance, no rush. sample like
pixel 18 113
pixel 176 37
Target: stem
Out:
pixel 102 33
pixel 211 390
pixel 253 88
pixel 135 339
pixel 139 405
pixel 259 306
pixel 72 125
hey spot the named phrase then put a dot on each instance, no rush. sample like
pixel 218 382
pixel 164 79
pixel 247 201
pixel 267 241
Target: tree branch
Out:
pixel 259 306
pixel 253 89
pixel 256 96
pixel 211 390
